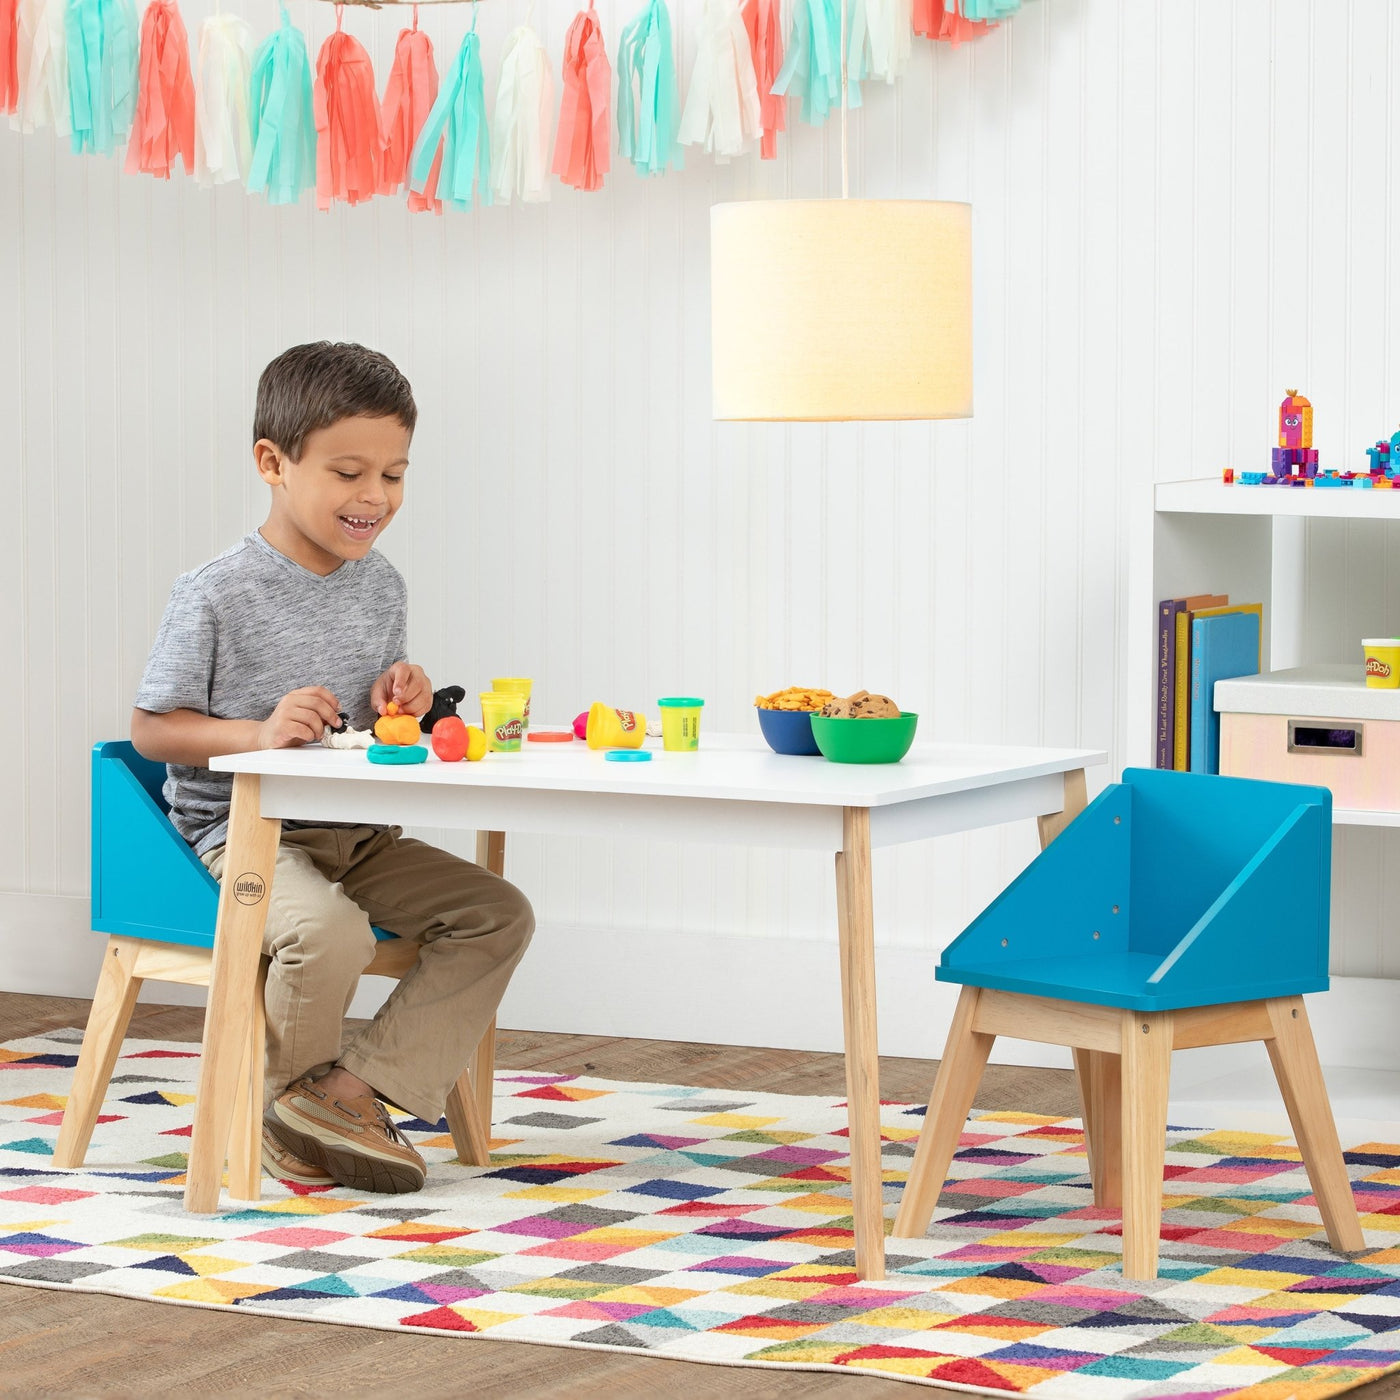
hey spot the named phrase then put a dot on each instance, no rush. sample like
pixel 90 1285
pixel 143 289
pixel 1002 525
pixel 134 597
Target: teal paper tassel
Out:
pixel 456 124
pixel 103 49
pixel 811 70
pixel 283 123
pixel 989 10
pixel 648 100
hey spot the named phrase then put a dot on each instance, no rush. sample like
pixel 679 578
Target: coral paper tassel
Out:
pixel 520 144
pixel 581 154
pixel 764 21
pixel 9 55
pixel 347 121
pixel 408 98
pixel 164 127
pixel 940 19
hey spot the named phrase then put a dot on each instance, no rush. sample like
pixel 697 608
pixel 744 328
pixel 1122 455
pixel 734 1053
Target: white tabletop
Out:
pixel 729 767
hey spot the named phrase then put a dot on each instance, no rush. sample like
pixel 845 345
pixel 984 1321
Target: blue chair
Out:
pixel 157 903
pixel 1177 910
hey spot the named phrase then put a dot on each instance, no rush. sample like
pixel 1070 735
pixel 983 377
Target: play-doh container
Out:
pixel 680 723
pixel 503 719
pixel 516 685
pixel 1382 662
pixel 614 729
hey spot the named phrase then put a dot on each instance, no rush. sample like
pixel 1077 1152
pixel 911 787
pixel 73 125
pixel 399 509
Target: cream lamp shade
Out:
pixel 829 310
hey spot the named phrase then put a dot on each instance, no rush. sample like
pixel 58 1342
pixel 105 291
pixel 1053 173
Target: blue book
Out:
pixel 1225 642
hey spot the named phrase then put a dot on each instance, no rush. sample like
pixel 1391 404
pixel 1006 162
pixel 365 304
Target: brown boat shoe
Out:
pixel 283 1165
pixel 354 1140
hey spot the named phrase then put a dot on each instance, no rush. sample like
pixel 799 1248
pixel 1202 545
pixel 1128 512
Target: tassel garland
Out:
pixel 764 21
pixel 283 127
pixel 812 66
pixel 939 19
pixel 722 109
pixel 889 31
pixel 648 102
pixel 42 60
pixel 102 59
pixel 347 121
pixel 520 142
pixel 223 138
pixel 453 153
pixel 408 98
pixel 164 127
pixel 581 154
pixel 9 55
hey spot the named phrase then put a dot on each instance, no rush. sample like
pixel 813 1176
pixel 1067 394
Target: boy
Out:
pixel 262 648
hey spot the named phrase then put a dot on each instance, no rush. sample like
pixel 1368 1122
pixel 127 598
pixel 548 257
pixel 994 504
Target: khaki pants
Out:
pixel 330 884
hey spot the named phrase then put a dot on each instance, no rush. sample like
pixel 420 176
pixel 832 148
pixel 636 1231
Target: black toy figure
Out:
pixel 445 702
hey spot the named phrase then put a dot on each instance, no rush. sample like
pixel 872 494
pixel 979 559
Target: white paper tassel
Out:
pixel 43 67
pixel 223 141
pixel 522 130
pixel 889 27
pixel 722 111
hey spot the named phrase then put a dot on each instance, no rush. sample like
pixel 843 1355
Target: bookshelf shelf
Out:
pixel 1354 816
pixel 1213 497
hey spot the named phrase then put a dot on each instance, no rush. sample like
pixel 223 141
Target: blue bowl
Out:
pixel 787 731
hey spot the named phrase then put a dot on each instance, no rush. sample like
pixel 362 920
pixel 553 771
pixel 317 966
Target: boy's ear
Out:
pixel 267 457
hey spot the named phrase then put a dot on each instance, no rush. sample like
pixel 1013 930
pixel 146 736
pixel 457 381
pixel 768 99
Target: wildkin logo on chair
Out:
pixel 249 888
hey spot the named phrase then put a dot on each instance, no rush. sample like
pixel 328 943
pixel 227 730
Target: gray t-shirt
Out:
pixel 243 630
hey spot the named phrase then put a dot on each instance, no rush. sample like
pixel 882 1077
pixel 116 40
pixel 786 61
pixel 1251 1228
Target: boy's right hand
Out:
pixel 300 718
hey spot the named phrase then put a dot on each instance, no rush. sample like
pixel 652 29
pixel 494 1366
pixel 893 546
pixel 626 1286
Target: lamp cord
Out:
pixel 845 173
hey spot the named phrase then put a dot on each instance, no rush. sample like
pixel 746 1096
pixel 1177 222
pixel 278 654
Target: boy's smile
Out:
pixel 334 502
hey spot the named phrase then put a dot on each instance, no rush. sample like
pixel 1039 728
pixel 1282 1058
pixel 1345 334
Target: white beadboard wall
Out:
pixel 1178 211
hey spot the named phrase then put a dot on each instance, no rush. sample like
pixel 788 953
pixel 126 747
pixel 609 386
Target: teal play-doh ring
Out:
pixel 628 756
pixel 397 753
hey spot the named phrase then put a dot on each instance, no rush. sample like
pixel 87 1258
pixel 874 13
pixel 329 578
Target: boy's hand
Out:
pixel 301 717
pixel 406 686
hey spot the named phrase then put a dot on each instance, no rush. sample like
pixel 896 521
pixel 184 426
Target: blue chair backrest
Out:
pixel 147 881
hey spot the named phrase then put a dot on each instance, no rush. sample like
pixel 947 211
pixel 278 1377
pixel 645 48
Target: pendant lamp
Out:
pixel 826 310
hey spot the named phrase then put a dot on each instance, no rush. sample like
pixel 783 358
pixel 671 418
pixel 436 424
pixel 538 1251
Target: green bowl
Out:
pixel 865 740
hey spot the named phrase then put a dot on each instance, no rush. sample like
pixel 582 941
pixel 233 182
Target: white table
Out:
pixel 734 791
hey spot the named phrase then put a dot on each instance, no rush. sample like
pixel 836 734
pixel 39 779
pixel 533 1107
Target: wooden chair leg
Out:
pixel 112 1003
pixel 1146 1070
pixel 470 1136
pixel 481 1080
pixel 1099 1076
pixel 959 1074
pixel 1299 1075
pixel 245 1135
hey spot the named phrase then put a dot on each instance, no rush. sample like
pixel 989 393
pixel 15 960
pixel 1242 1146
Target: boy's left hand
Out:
pixel 406 686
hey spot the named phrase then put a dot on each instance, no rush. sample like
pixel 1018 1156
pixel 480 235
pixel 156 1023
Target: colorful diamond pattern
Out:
pixel 697 1224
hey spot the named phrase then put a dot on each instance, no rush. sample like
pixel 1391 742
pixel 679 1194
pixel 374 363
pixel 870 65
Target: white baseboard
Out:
pixel 726 990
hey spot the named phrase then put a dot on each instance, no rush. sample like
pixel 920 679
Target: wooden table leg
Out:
pixel 491 855
pixel 856 920
pixel 250 860
pixel 1075 799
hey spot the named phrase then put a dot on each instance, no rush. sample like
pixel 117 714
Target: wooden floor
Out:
pixel 72 1344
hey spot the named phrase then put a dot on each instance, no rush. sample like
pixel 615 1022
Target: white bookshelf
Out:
pixel 1325 563
pixel 1252 542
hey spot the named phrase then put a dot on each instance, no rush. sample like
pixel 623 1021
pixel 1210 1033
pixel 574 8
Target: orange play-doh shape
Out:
pixel 394 728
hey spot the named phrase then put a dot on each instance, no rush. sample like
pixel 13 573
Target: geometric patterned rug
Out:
pixel 709 1225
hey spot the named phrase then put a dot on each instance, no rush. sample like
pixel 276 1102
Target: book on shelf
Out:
pixel 1173 676
pixel 1225 642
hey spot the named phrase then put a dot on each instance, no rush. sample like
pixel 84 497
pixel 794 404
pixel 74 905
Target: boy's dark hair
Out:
pixel 312 386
